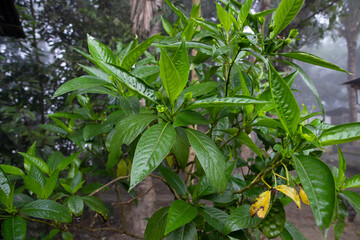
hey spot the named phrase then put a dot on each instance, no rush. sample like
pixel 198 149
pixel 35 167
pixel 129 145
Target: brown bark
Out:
pixel 351 46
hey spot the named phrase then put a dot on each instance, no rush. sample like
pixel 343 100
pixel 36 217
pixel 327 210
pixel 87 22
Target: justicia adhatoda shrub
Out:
pixel 238 92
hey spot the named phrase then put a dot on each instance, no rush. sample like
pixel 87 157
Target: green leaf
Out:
pixel 202 88
pixel 151 149
pixel 293 231
pixel 186 232
pixel 53 128
pixel 224 18
pixel 342 168
pixel 131 82
pixel 155 227
pixel 319 188
pixel 100 51
pixel 66 235
pixel 181 63
pixel 167 26
pixel 66 161
pixel 224 102
pixel 75 205
pixel 285 13
pixel 96 72
pixel 353 198
pixel 187 117
pixel 173 180
pixel 239 219
pixel 245 139
pixel 177 11
pixel 180 148
pixel 11 170
pixel 127 130
pixel 203 188
pixel 96 205
pixel 285 103
pixel 244 11
pixel 343 133
pixel 47 209
pixel 79 83
pixel 14 228
pixel 312 59
pixel 353 182
pixel 180 213
pixel 38 162
pixel 215 218
pixel 51 183
pixel 210 158
pixel 4 183
pixel 130 59
pixel 34 186
pixel 170 77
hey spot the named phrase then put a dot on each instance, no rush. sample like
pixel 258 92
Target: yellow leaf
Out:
pixel 170 160
pixel 121 169
pixel 290 192
pixel 303 196
pixel 261 204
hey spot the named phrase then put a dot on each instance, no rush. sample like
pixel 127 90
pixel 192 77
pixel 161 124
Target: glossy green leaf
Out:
pixel 79 83
pixel 240 218
pixel 181 63
pixel 224 18
pixel 155 227
pixel 353 182
pixel 20 200
pixel 51 183
pixel 285 13
pixel 37 175
pixel 293 231
pixel 130 59
pixel 14 228
pixel 66 161
pixel 131 82
pixel 342 168
pixel 75 205
pixel 11 170
pixel 127 130
pixel 177 11
pixel 4 183
pixel 319 188
pixel 151 149
pixel 245 139
pixel 54 128
pixel 202 88
pixel 186 232
pixel 244 11
pixel 100 51
pixel 188 117
pixel 343 133
pixel 36 162
pixel 96 205
pixel 312 59
pixel 180 148
pixel 180 213
pixel 341 214
pixel 285 103
pixel 210 158
pixel 225 102
pixel 170 77
pixel 47 209
pixel 173 180
pixel 353 198
pixel 34 186
pixel 268 123
pixel 96 72
pixel 167 26
pixel 203 188
pixel 143 72
pixel 215 218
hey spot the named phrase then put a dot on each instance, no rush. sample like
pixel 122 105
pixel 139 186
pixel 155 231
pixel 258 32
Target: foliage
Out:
pixel 242 100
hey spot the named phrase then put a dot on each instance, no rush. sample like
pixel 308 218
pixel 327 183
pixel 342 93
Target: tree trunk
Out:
pixel 351 41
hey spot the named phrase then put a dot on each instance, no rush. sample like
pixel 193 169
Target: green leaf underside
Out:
pixel 47 209
pixel 225 102
pixel 343 133
pixel 180 213
pixel 353 182
pixel 14 228
pixel 210 158
pixel 151 149
pixel 285 13
pixel 285 103
pixel 319 188
pixel 353 198
pixel 312 59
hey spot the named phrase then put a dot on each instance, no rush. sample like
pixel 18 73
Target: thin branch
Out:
pixel 164 181
pixel 111 229
pixel 108 184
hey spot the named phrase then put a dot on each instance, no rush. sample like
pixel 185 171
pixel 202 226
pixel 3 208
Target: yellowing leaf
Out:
pixel 261 204
pixel 303 196
pixel 290 192
pixel 122 168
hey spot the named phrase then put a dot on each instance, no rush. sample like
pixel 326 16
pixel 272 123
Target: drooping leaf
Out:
pixel 180 213
pixel 96 205
pixel 173 180
pixel 76 205
pixel 319 188
pixel 180 147
pixel 210 158
pixel 343 133
pixel 79 83
pixel 100 51
pixel 14 228
pixel 312 59
pixel 285 103
pixel 224 102
pixel 155 227
pixel 47 209
pixel 245 139
pixel 285 13
pixel 261 205
pixel 151 149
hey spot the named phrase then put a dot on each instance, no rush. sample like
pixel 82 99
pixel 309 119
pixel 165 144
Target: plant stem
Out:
pixel 109 183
